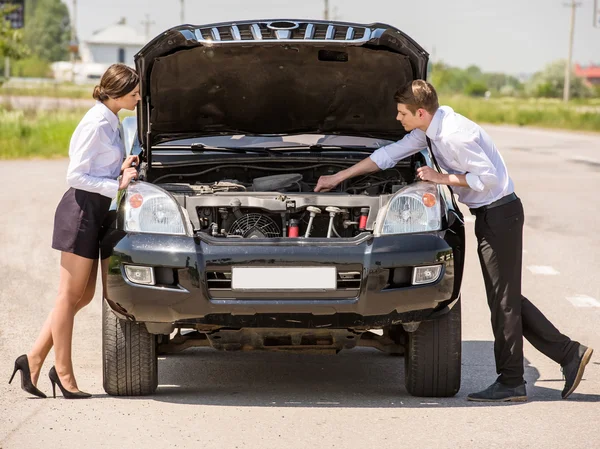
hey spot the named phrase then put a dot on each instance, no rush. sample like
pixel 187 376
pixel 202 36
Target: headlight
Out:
pixel 415 208
pixel 147 208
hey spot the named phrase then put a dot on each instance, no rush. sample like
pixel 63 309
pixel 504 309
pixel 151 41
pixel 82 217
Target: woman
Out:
pixel 96 155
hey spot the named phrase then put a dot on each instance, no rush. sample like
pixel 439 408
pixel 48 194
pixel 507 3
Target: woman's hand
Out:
pixel 128 175
pixel 129 162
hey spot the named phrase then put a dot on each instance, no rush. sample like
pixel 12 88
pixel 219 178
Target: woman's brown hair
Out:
pixel 118 80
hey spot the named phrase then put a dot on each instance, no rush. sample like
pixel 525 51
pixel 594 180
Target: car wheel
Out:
pixel 129 360
pixel 433 356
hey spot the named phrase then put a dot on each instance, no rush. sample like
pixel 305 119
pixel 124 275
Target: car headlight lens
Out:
pixel 415 208
pixel 147 208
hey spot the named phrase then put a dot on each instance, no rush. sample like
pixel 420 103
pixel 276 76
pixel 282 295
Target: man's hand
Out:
pixel 129 162
pixel 330 182
pixel 430 175
pixel 327 183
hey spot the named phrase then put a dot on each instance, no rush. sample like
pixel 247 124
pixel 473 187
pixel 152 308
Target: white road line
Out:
pixel 583 301
pixel 542 269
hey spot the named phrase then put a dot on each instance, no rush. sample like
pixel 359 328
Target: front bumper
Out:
pixel 378 292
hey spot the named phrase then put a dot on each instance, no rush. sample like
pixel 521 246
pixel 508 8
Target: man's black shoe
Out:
pixel 573 371
pixel 498 392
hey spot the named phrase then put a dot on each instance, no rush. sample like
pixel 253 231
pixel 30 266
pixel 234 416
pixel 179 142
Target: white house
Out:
pixel 116 43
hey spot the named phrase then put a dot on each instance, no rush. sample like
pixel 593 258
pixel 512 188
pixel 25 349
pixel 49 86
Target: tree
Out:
pixel 10 40
pixel 502 83
pixel 448 79
pixel 47 29
pixel 474 72
pixel 550 83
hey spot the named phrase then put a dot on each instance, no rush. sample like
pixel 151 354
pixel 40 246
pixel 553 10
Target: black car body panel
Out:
pixel 194 295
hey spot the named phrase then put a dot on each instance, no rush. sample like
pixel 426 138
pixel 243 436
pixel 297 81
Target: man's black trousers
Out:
pixel 499 232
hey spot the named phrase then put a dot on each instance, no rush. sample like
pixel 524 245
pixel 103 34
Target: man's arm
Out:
pixel 384 157
pixel 431 175
pixel 326 183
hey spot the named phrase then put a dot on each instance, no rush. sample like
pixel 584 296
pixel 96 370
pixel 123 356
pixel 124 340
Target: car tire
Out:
pixel 129 359
pixel 433 356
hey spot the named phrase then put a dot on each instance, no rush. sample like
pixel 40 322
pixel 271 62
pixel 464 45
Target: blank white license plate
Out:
pixel 283 278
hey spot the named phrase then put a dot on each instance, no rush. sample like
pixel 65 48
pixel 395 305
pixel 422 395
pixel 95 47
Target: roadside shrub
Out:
pixel 32 67
pixel 476 89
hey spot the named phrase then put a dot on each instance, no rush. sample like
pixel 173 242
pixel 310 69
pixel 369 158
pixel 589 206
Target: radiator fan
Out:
pixel 255 226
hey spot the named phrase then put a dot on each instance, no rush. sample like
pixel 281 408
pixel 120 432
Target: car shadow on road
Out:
pixel 358 378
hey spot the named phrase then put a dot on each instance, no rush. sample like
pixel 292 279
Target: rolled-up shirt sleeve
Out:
pixel 389 155
pixel 481 174
pixel 90 142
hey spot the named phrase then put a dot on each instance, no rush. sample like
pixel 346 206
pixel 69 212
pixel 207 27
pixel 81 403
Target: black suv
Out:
pixel 223 242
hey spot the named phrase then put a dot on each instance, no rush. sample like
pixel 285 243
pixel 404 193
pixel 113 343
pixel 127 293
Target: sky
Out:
pixel 509 36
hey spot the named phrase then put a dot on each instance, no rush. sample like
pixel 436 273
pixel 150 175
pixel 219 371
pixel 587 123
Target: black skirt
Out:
pixel 79 222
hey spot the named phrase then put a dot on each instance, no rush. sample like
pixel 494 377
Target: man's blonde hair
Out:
pixel 418 94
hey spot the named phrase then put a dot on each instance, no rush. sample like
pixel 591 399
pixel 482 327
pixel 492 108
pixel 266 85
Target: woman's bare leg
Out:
pixel 43 344
pixel 75 272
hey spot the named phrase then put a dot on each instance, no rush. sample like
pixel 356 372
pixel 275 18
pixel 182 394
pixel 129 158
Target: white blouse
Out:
pixel 96 152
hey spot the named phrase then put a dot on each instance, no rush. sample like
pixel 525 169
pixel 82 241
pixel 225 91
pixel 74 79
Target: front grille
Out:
pixel 266 33
pixel 221 280
pixel 320 31
pixel 348 280
pixel 218 280
pixel 225 33
pixel 300 32
pixel 257 31
pixel 206 34
pixel 340 33
pixel 245 32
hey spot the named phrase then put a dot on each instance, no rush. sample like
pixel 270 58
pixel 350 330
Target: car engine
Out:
pixel 229 202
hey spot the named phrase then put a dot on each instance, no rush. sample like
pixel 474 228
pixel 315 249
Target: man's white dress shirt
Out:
pixel 96 152
pixel 460 147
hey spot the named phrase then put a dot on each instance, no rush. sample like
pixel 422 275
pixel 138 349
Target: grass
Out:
pixel 47 89
pixel 46 134
pixel 37 134
pixel 43 134
pixel 580 115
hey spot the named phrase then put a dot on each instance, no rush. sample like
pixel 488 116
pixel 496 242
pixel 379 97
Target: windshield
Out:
pixel 242 141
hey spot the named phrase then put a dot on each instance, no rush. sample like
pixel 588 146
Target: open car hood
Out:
pixel 275 77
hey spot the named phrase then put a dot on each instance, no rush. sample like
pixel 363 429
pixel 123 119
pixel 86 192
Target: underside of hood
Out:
pixel 195 87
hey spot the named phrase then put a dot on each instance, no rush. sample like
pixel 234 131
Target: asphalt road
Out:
pixel 356 399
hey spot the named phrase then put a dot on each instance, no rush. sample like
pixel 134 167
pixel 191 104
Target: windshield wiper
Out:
pixel 200 148
pixel 319 148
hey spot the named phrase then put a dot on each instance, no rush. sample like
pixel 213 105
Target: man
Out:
pixel 479 176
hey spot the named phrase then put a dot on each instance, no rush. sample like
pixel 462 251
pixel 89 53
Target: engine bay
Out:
pixel 250 201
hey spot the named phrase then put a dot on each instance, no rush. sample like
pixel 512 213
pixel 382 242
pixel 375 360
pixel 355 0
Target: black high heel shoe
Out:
pixel 22 364
pixel 53 375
